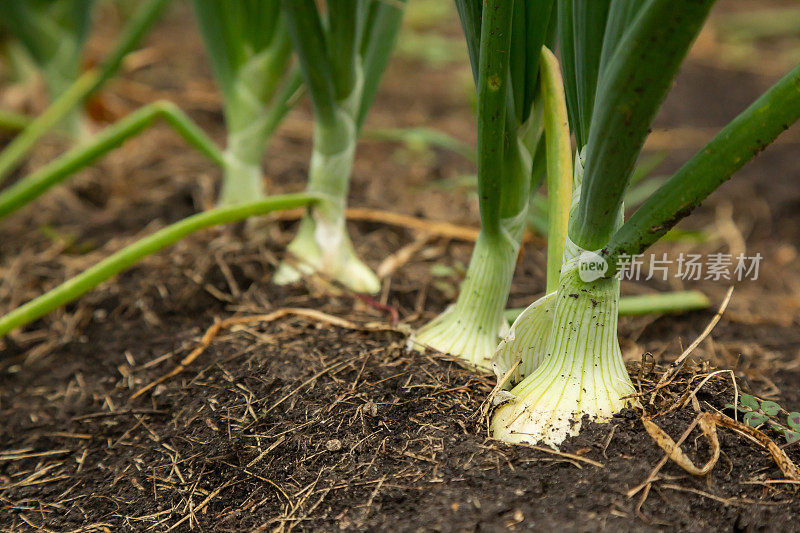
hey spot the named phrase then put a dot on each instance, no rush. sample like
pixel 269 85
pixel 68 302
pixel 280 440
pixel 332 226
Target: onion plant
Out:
pixel 248 81
pixel 505 43
pixel 342 52
pixel 472 328
pixel 249 49
pixel 82 87
pixel 620 58
pixel 53 33
pixel 257 76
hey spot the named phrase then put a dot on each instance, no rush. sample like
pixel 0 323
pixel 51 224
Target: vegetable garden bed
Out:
pixel 323 420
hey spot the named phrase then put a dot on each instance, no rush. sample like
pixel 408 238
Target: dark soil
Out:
pixel 296 423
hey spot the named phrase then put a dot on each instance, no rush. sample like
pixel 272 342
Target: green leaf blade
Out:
pixel 770 408
pixel 380 35
pixel 310 43
pixel 749 401
pixel 628 96
pixel 755 419
pixel 492 105
pixel 739 142
pixel 794 420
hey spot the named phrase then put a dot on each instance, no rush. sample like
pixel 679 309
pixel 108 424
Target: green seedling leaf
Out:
pixel 794 420
pixel 442 271
pixel 430 48
pixel 684 235
pixel 792 436
pixel 421 139
pixel 770 408
pixel 69 242
pixel 461 181
pixel 739 408
pixel 749 401
pixel 446 288
pixel 755 419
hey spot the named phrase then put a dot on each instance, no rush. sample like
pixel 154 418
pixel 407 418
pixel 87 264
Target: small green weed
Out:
pixel 757 413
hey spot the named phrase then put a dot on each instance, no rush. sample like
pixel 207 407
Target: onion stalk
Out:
pixel 53 33
pixel 86 84
pixel 342 55
pixel 504 41
pixel 249 50
pixel 570 358
pixel 256 89
pixel 575 369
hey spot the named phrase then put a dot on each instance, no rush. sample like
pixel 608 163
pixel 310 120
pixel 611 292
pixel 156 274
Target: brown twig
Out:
pixel 202 504
pixel 709 429
pixel 632 492
pixel 402 256
pixel 566 455
pixel 783 461
pixel 487 403
pixel 394 314
pixel 676 365
pixel 726 501
pixel 431 227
